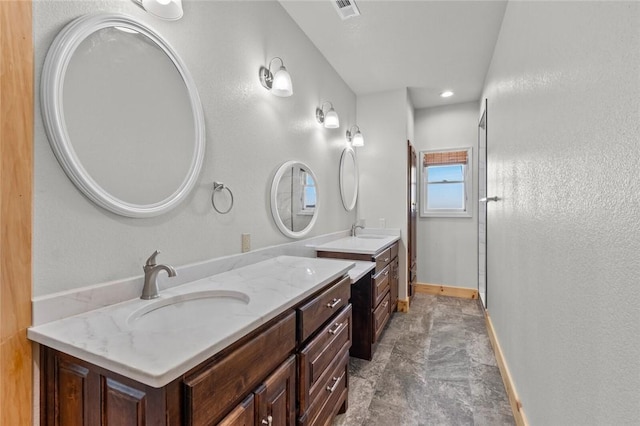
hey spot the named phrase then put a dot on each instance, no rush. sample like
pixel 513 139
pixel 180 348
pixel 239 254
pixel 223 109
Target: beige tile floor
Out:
pixel 433 366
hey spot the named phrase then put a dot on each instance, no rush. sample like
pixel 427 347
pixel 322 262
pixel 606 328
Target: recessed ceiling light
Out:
pixel 446 94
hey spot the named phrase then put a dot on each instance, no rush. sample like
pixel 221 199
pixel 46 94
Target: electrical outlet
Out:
pixel 246 242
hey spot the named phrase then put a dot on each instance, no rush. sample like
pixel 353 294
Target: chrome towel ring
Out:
pixel 218 187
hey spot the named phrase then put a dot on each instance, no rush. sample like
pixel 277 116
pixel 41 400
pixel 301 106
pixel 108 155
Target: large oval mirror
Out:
pixel 349 178
pixel 122 115
pixel 294 199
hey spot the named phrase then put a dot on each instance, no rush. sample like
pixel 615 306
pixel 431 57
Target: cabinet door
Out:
pixel 243 415
pixel 82 394
pixel 275 399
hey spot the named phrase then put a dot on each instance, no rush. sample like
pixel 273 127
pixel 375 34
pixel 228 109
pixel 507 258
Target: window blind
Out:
pixel 443 158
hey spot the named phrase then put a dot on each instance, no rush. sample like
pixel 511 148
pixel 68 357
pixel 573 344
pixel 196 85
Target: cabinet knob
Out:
pixel 268 421
pixel 333 303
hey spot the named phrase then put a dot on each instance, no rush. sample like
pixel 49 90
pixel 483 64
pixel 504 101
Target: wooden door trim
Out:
pixel 16 183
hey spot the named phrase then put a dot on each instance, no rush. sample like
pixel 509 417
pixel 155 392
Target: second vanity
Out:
pixel 265 344
pixel 374 296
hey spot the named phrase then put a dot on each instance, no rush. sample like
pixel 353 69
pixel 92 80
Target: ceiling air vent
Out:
pixel 347 8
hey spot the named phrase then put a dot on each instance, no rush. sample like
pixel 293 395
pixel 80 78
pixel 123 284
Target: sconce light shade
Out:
pixel 279 83
pixel 330 118
pixel 171 10
pixel 356 137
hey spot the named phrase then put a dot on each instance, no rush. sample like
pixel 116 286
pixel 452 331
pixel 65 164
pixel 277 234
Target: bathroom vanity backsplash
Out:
pixel 72 302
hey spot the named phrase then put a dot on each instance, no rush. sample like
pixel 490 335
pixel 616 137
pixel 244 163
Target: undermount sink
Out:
pixel 184 311
pixel 371 237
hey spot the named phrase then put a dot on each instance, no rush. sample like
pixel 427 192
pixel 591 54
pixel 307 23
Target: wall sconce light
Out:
pixel 356 138
pixel 330 118
pixel 279 83
pixel 171 10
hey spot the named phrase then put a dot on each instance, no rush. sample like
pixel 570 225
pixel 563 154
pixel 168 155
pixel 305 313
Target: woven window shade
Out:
pixel 444 158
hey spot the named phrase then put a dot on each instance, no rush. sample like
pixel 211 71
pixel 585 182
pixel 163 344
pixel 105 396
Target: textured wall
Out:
pixel 383 166
pixel 563 95
pixel 250 133
pixel 448 246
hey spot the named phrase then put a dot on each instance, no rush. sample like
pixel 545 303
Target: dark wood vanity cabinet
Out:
pixel 374 298
pixel 291 370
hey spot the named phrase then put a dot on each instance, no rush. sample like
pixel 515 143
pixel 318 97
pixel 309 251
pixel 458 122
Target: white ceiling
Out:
pixel 427 46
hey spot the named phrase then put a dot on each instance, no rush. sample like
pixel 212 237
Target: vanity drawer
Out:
pixel 333 390
pixel 381 283
pixel 394 250
pixel 380 316
pixel 322 351
pixel 211 391
pixel 382 259
pixel 319 309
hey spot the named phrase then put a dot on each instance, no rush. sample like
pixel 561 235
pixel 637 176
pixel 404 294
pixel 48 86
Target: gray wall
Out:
pixel 383 166
pixel 250 133
pixel 563 95
pixel 447 249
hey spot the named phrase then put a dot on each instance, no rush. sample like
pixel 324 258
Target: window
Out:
pixel 446 183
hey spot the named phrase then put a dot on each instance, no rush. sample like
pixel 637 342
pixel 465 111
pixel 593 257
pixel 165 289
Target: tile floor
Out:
pixel 433 366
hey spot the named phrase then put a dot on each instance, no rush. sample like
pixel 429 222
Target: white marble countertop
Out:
pixel 364 244
pixel 156 356
pixel 360 270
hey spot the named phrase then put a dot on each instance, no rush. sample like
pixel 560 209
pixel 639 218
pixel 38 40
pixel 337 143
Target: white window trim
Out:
pixel 468 187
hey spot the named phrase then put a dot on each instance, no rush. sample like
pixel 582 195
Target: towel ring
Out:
pixel 218 187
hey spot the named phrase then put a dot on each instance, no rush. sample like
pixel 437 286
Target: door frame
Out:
pixel 16 203
pixel 483 129
pixel 412 214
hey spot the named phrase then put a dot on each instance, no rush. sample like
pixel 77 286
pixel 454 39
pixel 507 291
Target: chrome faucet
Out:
pixel 151 269
pixel 353 229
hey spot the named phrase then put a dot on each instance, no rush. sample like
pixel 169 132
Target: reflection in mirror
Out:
pixel 123 115
pixel 125 78
pixel 349 178
pixel 294 198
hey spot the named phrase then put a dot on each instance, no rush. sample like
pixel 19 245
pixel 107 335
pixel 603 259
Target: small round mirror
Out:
pixel 122 115
pixel 348 178
pixel 294 199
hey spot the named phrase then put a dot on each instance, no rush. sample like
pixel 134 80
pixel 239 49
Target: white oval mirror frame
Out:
pixel 276 203
pixel 53 73
pixel 349 178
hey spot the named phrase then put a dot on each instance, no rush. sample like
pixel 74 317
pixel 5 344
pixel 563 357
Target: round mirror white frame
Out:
pixel 274 199
pixel 53 73
pixel 349 178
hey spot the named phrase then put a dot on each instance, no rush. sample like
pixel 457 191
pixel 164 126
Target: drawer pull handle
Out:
pixel 335 330
pixel 268 421
pixel 335 385
pixel 386 259
pixel 386 273
pixel 333 303
pixel 386 303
